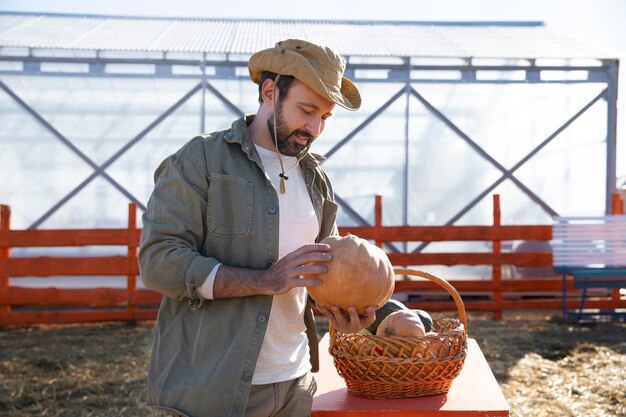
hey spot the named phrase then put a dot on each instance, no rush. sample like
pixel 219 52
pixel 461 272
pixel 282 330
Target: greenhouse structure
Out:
pixel 453 112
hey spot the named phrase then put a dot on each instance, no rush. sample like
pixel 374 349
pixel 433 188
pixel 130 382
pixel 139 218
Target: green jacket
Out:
pixel 213 203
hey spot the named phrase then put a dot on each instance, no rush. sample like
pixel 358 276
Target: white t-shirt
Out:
pixel 285 351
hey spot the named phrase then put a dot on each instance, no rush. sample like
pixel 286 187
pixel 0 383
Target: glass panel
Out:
pixel 445 171
pixel 344 122
pixel 97 205
pixel 134 169
pixel 372 163
pixel 100 115
pixel 36 168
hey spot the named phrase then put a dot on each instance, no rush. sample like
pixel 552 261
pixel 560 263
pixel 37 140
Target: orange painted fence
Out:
pixel 498 293
pixel 26 306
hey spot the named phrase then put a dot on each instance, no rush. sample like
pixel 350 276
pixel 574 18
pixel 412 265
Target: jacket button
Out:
pixel 261 318
pixel 247 376
pixel 272 209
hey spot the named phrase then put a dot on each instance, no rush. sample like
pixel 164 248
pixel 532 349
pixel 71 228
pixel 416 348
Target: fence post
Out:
pixel 131 279
pixel 5 281
pixel 378 219
pixel 617 204
pixel 496 268
pixel 617 208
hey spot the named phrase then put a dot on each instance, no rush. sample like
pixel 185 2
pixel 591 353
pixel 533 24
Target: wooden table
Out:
pixel 475 392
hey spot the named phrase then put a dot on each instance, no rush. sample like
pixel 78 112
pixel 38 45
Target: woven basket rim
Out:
pixel 457 331
pixel 461 355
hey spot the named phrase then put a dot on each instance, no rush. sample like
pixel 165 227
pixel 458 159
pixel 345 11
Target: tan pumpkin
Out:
pixel 360 275
pixel 401 323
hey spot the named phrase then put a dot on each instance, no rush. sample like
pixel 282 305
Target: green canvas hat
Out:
pixel 316 66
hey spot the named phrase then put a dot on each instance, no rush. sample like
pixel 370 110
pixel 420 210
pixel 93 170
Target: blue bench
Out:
pixel 593 251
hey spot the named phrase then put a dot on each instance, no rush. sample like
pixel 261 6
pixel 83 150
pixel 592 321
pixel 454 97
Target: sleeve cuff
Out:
pixel 206 289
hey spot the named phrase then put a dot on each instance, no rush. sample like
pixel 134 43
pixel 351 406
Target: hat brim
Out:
pixel 294 64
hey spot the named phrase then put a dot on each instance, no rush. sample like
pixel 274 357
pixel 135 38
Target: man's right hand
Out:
pixel 281 277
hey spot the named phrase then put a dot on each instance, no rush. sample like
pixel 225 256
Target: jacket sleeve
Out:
pixel 172 236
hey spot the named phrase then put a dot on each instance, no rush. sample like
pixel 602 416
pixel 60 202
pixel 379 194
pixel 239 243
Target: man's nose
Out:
pixel 315 127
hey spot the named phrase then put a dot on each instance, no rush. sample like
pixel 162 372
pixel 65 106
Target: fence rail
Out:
pixel 26 306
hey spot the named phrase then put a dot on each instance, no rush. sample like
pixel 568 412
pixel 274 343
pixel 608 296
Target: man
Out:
pixel 229 239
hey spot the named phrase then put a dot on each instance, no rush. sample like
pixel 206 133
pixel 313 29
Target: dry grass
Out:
pixel 74 371
pixel 545 366
pixel 548 367
pixel 590 381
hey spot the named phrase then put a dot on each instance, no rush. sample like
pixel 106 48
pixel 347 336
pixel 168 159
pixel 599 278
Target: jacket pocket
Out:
pixel 229 205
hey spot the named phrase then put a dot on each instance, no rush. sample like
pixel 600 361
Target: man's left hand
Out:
pixel 351 323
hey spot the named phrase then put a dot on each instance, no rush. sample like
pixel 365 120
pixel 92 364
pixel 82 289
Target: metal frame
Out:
pixel 407 73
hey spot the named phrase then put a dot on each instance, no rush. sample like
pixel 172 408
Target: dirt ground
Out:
pixel 546 366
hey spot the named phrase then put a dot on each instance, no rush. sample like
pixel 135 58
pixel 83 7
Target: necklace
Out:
pixel 283 175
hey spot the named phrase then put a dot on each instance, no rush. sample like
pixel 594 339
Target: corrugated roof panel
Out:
pixel 40 30
pixel 10 21
pixel 245 36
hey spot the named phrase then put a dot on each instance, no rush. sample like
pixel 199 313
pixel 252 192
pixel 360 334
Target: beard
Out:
pixel 287 145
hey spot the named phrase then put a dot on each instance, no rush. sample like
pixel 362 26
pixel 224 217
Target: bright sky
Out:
pixel 598 22
pixel 601 21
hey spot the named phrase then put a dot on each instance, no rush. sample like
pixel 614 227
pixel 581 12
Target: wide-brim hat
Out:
pixel 316 66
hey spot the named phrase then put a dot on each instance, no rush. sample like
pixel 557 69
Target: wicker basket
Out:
pixel 402 367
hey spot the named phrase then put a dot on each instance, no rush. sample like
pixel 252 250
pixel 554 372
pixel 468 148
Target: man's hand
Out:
pixel 351 323
pixel 280 278
pixel 288 272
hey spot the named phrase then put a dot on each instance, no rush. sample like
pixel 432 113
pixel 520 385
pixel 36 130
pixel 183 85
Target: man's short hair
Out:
pixel 284 84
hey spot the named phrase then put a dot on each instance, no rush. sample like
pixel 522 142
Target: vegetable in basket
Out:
pixel 395 305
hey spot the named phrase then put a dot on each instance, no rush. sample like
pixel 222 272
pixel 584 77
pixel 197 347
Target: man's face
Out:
pixel 300 119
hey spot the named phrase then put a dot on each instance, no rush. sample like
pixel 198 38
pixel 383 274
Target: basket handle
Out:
pixel 443 284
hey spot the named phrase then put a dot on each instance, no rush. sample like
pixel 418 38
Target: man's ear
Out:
pixel 267 92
